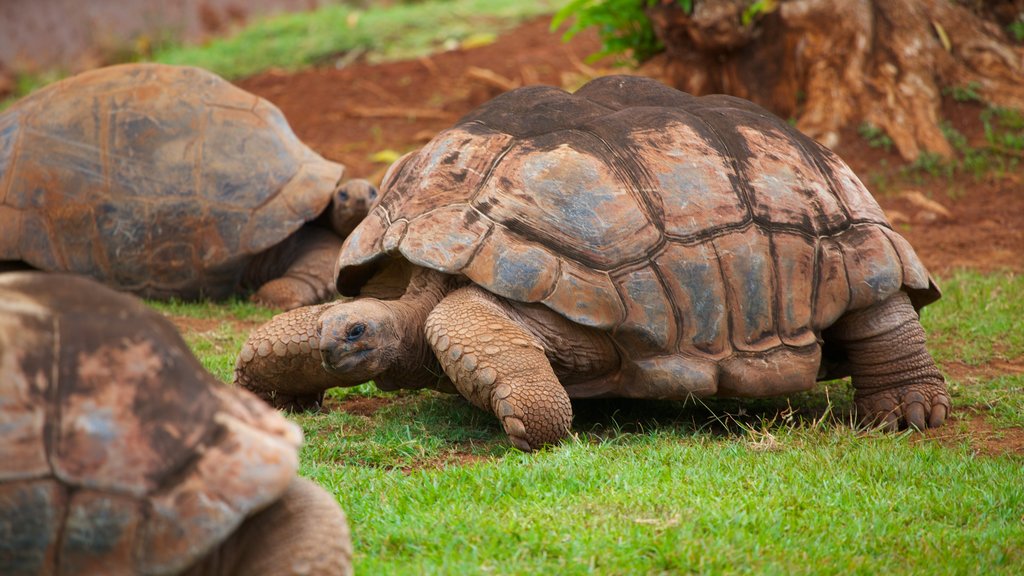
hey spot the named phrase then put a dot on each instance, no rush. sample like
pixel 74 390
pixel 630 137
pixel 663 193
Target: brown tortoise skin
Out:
pixel 160 180
pixel 710 238
pixel 119 453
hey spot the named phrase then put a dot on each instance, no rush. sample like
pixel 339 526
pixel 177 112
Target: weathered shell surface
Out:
pixel 119 453
pixel 161 180
pixel 712 239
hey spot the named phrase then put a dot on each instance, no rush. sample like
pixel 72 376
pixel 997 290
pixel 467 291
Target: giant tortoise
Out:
pixel 169 181
pixel 120 454
pixel 628 240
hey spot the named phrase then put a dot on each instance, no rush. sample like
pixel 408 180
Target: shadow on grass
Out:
pixel 411 430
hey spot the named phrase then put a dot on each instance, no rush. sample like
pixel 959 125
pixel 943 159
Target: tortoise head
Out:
pixel 351 201
pixel 360 339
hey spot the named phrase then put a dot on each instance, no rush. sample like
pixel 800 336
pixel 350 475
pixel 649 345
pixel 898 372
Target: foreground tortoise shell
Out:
pixel 119 453
pixel 160 180
pixel 713 241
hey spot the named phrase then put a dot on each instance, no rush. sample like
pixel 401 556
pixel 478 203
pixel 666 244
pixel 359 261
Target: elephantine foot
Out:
pixel 917 406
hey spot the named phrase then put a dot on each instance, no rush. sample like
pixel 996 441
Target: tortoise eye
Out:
pixel 355 332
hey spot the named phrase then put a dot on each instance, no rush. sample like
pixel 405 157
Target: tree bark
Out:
pixel 834 64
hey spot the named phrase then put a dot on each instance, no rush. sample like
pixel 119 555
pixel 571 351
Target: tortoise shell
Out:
pixel 708 236
pixel 119 453
pixel 161 180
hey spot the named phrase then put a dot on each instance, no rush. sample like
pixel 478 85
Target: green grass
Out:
pixel 300 40
pixel 773 486
pixel 823 502
pixel 334 33
pixel 217 345
pixel 1002 398
pixel 977 319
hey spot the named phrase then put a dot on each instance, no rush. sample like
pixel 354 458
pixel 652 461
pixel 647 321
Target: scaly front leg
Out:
pixel 499 366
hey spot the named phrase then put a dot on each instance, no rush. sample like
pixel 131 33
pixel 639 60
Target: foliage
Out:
pixel 1000 153
pixel 968 93
pixel 876 137
pixel 625 31
pixel 1016 29
pixel 756 9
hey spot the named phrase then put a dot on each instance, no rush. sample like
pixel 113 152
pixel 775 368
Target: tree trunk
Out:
pixel 833 64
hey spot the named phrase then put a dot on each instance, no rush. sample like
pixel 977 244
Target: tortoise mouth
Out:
pixel 342 361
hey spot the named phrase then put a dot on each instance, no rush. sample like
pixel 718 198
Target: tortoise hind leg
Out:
pixel 499 366
pixel 895 380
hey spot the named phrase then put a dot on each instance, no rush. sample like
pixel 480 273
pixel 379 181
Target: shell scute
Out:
pixel 446 171
pixel 695 182
pixel 650 324
pixel 785 186
pixel 30 519
pixel 100 531
pixel 749 276
pixel 586 297
pixel 569 199
pixel 794 261
pixel 523 271
pixel 696 287
pixel 873 268
pixel 448 237
pixel 126 419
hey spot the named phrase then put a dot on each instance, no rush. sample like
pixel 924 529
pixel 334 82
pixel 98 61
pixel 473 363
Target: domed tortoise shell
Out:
pixel 161 180
pixel 119 453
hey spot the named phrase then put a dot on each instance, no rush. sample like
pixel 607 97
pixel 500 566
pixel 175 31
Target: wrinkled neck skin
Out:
pixel 416 366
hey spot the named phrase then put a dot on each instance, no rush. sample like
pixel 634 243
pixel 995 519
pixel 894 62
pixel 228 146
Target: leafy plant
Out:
pixel 968 93
pixel 623 26
pixel 1004 128
pixel 1016 29
pixel 876 137
pixel 757 8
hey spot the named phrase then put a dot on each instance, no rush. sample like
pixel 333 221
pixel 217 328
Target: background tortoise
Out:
pixel 169 181
pixel 119 454
pixel 628 240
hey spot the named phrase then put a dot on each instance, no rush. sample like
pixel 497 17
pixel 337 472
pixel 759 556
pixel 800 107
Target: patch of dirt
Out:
pixel 191 325
pixel 349 114
pixel 962 372
pixel 459 457
pixel 972 426
pixel 359 405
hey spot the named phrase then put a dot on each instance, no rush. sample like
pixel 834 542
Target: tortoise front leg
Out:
pixel 499 366
pixel 895 380
pixel 281 361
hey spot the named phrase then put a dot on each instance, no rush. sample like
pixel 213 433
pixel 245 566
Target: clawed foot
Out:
pixel 532 420
pixel 917 407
